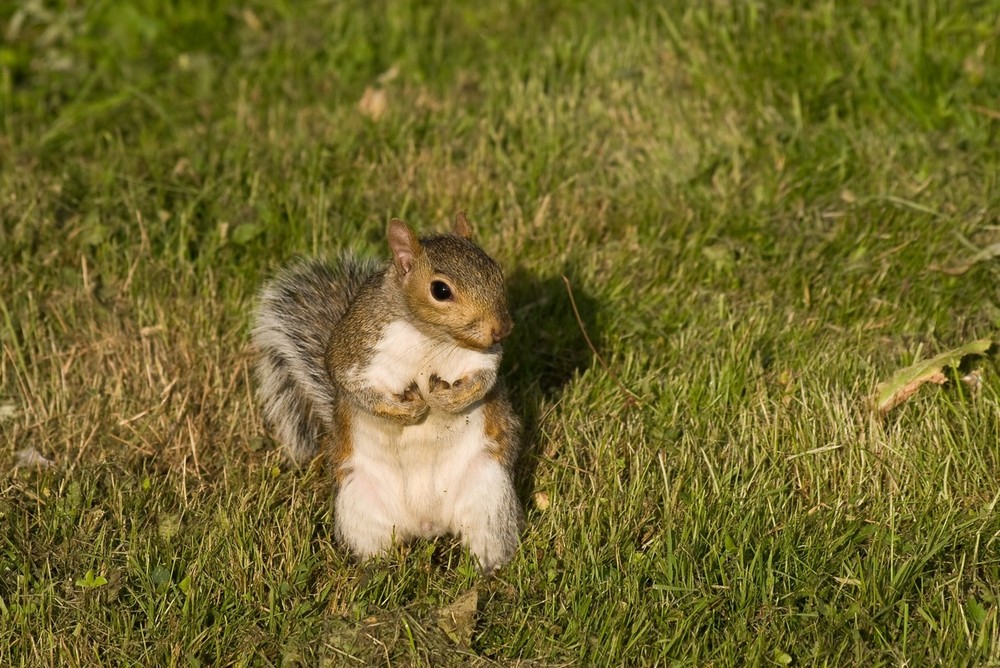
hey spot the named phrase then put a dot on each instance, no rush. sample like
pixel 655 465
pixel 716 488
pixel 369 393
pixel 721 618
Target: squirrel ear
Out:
pixel 462 226
pixel 404 244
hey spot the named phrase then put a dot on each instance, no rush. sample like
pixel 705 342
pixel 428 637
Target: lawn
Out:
pixel 761 210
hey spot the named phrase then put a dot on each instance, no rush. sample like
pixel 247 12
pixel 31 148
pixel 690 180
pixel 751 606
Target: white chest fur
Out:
pixel 419 480
pixel 405 355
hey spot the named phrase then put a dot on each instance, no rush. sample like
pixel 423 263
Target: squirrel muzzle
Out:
pixel 502 328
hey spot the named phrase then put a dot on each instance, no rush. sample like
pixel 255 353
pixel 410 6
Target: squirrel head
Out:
pixel 450 284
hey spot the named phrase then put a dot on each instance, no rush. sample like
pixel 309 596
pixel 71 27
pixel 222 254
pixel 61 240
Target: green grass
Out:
pixel 752 202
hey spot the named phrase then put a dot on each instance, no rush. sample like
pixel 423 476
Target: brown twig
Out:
pixel 630 397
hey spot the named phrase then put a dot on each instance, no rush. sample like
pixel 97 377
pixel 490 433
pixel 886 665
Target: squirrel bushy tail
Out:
pixel 296 312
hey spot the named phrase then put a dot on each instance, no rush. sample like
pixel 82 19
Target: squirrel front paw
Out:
pixel 456 396
pixel 407 407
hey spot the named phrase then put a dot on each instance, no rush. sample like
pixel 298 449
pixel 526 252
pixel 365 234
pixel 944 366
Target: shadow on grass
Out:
pixel 545 351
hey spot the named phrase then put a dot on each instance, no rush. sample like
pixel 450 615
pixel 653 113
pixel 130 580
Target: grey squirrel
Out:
pixel 391 371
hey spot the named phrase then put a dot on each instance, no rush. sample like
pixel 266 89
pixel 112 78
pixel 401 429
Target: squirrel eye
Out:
pixel 440 291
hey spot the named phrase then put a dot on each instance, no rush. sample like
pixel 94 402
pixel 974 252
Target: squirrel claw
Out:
pixel 410 393
pixel 455 396
pixel 438 384
pixel 409 407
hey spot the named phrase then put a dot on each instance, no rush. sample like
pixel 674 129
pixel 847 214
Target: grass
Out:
pixel 752 201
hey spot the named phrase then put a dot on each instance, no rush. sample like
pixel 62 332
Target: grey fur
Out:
pixel 296 313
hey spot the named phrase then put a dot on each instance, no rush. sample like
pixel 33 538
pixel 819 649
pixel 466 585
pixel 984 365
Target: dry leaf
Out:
pixel 905 382
pixel 904 392
pixel 182 167
pixel 541 500
pixel 389 75
pixel 458 619
pixel 29 458
pixel 252 20
pixel 973 380
pixel 373 103
pixel 8 410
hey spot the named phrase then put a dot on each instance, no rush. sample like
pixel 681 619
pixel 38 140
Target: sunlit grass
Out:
pixel 752 202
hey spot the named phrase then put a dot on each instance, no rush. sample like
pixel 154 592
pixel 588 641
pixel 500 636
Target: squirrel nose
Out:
pixel 501 330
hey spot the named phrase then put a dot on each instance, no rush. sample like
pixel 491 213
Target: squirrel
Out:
pixel 390 369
